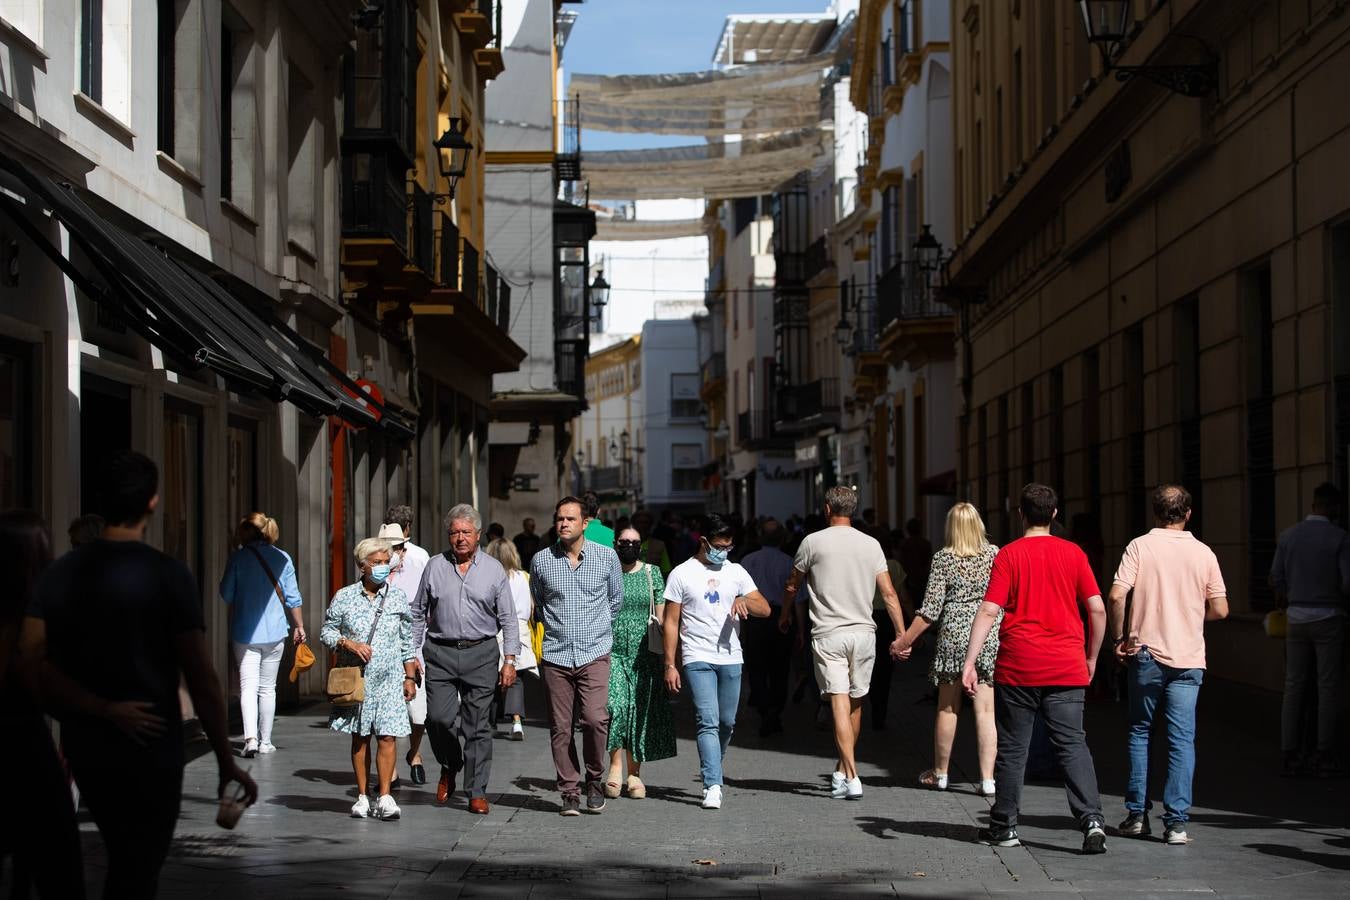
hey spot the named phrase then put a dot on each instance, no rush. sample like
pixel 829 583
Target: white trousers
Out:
pixel 258 665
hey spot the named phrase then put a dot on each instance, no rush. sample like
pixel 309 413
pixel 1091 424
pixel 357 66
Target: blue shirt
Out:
pixel 770 568
pixel 258 618
pixel 577 606
pixel 1312 566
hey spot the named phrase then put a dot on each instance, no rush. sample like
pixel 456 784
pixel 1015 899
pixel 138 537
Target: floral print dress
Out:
pixel 350 616
pixel 640 720
pixel 956 586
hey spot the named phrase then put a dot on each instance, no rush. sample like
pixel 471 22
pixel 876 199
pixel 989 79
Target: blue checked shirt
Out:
pixel 577 606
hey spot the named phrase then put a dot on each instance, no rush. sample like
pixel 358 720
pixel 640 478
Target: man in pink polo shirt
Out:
pixel 1177 588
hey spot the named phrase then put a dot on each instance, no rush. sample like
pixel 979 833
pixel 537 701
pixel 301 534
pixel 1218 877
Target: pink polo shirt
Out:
pixel 1172 575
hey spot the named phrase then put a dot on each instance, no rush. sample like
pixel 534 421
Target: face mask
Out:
pixel 628 555
pixel 379 573
pixel 716 557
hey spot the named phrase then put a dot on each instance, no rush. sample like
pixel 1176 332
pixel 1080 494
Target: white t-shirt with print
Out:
pixel 710 633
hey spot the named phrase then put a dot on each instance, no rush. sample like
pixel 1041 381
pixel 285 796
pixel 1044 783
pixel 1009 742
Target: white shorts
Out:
pixel 844 661
pixel 417 706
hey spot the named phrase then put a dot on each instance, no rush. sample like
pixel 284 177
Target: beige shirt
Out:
pixel 1172 575
pixel 841 566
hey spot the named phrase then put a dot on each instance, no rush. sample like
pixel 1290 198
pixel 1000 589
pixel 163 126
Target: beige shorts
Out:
pixel 844 661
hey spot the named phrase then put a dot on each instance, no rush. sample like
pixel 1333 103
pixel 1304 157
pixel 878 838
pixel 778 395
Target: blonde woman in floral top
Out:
pixel 956 586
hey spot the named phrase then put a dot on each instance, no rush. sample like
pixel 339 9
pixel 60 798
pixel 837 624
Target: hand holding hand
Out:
pixel 135 719
pixel 409 690
pixel 901 650
pixel 673 679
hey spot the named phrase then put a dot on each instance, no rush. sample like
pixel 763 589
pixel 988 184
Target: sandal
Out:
pixel 612 789
pixel 636 789
pixel 934 779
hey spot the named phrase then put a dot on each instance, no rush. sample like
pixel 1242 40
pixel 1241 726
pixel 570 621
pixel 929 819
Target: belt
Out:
pixel 459 645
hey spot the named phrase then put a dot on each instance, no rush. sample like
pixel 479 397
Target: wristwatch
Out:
pixel 510 661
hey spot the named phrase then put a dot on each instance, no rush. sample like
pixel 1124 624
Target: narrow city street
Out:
pixel 1254 834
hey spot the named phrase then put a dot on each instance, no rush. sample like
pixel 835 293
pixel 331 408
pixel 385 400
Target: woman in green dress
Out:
pixel 639 710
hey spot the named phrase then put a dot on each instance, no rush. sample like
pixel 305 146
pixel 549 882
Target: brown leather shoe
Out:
pixel 444 786
pixel 478 806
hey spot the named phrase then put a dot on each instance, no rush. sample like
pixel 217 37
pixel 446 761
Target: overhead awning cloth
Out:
pixel 722 169
pixel 615 229
pixel 186 314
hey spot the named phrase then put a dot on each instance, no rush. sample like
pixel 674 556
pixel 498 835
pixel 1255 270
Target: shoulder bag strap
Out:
pixel 384 595
pixel 276 585
pixel 651 590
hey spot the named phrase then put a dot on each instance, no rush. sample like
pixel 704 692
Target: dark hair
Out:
pixel 28 550
pixel 1039 504
pixel 1171 503
pixel 126 484
pixel 569 500
pixel 496 530
pixel 714 526
pixel 914 528
pixel 590 504
pixel 772 534
pixel 1327 495
pixel 400 514
pixel 85 529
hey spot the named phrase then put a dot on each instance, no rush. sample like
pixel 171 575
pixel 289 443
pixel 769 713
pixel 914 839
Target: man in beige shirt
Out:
pixel 1177 587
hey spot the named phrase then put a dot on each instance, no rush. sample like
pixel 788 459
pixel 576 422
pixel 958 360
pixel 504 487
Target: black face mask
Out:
pixel 628 554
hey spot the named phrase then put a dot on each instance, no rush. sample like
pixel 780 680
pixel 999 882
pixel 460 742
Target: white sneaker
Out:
pixel 361 808
pixel 250 748
pixel 986 788
pixel 712 797
pixel 517 732
pixel 836 779
pixel 267 747
pixel 387 809
pixel 848 790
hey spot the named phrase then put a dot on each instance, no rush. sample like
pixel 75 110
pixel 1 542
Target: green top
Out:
pixel 600 533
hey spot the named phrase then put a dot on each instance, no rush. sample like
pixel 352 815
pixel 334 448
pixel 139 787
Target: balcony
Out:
pixel 470 277
pixel 755 430
pixel 714 375
pixel 604 478
pixel 817 258
pixel 498 298
pixel 447 254
pixel 567 161
pixel 904 295
pixel 866 330
pixel 421 233
pixel 809 406
pixel 569 366
pixel 374 200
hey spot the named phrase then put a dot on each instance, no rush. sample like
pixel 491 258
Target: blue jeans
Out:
pixel 717 692
pixel 1150 681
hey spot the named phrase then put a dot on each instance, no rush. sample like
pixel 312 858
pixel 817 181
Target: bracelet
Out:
pixel 671 666
pixel 412 678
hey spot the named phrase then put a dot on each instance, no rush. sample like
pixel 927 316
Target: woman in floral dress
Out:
pixel 639 710
pixel 389 663
pixel 956 586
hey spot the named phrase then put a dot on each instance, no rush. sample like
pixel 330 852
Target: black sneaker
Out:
pixel 999 837
pixel 1175 834
pixel 595 797
pixel 1135 825
pixel 571 805
pixel 1094 838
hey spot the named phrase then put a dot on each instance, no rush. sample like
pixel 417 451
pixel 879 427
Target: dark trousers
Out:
pixel 462 682
pixel 43 843
pixel 511 701
pixel 136 809
pixel 768 659
pixel 578 695
pixel 1312 650
pixel 1015 710
pixel 879 690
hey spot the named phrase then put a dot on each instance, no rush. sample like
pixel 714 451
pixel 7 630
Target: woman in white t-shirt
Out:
pixel 706 599
pixel 512 700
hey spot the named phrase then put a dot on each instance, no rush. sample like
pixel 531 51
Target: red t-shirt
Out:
pixel 1041 582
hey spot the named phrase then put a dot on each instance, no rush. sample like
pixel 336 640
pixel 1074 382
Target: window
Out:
pixel 182 483
pixel 16 425
pixel 382 78
pixel 686 467
pixel 25 16
pixel 890 228
pixel 238 110
pixel 684 402
pixel 180 87
pixel 241 468
pixel 105 55
pixel 302 182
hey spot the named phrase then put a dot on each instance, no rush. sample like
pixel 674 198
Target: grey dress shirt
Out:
pixel 469 607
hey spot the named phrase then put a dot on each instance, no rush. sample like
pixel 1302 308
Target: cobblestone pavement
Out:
pixel 1254 835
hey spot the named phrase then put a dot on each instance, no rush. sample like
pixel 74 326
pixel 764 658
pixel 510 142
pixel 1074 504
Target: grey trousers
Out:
pixel 1312 647
pixel 462 683
pixel 1015 711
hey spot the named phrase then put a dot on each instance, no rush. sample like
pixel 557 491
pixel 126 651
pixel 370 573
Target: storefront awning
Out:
pixel 186 314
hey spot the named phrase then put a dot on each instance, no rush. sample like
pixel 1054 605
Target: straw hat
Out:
pixel 392 532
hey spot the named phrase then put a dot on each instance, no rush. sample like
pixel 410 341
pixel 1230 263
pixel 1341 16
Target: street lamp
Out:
pixel 453 149
pixel 1107 24
pixel 599 291
pixel 928 251
pixel 843 331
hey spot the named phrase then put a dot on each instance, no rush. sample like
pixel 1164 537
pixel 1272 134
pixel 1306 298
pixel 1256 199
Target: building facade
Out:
pixel 610 429
pixel 1157 286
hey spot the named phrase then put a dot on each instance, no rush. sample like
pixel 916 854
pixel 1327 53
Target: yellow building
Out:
pixel 608 432
pixel 1157 285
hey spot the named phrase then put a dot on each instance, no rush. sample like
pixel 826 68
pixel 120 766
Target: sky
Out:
pixel 639 37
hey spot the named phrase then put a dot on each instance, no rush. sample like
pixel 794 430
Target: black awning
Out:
pixel 187 314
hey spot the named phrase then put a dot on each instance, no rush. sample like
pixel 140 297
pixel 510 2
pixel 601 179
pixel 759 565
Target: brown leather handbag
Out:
pixel 347 684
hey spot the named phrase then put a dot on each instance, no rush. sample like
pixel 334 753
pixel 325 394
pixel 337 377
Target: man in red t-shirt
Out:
pixel 1039 583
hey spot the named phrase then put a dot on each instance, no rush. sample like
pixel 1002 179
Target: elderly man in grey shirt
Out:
pixel 461 604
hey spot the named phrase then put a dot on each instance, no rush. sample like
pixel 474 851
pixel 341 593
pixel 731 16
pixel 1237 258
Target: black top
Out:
pixel 113 610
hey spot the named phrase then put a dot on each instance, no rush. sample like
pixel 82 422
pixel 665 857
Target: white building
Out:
pixel 672 439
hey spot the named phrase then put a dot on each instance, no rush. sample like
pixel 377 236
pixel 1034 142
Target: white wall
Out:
pixel 643 274
pixel 668 348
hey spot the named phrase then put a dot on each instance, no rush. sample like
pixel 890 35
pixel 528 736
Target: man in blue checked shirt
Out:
pixel 578 588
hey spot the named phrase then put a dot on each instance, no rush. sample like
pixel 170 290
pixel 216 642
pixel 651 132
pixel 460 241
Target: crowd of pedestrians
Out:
pixel 613 621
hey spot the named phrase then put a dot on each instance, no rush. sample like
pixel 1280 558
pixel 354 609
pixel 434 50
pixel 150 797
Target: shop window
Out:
pixel 17 427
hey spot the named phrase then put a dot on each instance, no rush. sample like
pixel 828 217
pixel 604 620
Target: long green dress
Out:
pixel 639 707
